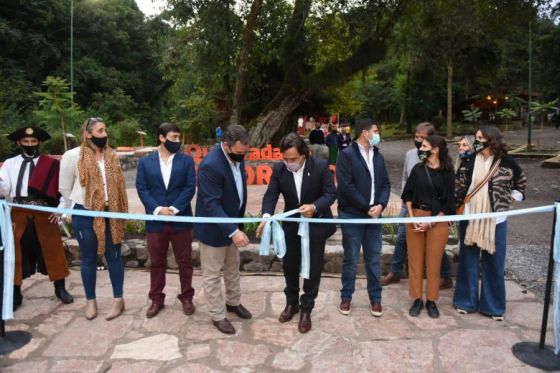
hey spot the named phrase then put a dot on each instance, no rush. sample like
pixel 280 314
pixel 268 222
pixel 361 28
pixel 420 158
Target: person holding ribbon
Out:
pixel 222 193
pixel 363 192
pixel 306 184
pixel 487 181
pixel 429 191
pixel 166 182
pixel 31 178
pixel 91 178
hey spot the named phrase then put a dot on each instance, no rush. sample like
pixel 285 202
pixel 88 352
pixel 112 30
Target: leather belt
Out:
pixel 421 206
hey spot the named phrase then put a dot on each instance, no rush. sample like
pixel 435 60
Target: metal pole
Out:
pixel 548 290
pixel 530 88
pixel 72 49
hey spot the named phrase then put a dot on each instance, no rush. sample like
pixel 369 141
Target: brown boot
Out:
pixel 116 309
pixel 390 278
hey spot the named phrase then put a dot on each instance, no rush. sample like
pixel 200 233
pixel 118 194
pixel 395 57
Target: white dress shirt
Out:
pixel 165 168
pixel 369 161
pixel 298 180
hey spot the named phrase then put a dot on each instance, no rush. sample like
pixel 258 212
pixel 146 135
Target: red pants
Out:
pixel 158 243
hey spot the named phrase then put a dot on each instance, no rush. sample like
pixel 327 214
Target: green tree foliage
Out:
pixel 56 108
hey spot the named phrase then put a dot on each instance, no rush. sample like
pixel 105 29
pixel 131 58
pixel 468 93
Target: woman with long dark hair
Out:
pixel 429 191
pixel 488 181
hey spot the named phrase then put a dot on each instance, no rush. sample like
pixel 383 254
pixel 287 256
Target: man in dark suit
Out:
pixel 166 182
pixel 306 183
pixel 363 191
pixel 222 193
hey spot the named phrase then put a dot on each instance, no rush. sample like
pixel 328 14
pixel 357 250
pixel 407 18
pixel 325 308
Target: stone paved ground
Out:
pixel 64 341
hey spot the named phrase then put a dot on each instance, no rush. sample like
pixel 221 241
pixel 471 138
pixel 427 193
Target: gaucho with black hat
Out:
pixel 32 179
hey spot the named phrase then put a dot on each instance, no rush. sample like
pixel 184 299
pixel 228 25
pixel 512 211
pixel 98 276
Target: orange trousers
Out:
pixel 49 239
pixel 425 248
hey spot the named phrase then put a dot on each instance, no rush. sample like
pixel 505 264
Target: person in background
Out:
pixel 363 191
pixel 464 149
pixel 429 191
pixel 423 130
pixel 166 182
pixel 345 138
pixel 222 193
pixel 332 143
pixel 493 180
pixel 218 134
pixel 307 184
pixel 31 178
pixel 91 178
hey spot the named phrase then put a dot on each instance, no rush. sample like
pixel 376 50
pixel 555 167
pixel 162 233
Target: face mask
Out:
pixel 424 154
pixel 172 146
pixel 293 166
pixel 375 140
pixel 236 157
pixel 418 144
pixel 465 154
pixel 479 145
pixel 29 150
pixel 100 142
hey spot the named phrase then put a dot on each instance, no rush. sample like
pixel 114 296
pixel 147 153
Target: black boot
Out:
pixel 61 293
pixel 17 296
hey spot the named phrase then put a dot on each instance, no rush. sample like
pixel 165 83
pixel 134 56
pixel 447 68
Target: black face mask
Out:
pixel 236 157
pixel 424 154
pixel 29 150
pixel 172 146
pixel 418 144
pixel 479 145
pixel 100 142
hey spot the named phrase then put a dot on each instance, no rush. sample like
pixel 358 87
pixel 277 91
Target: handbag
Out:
pixel 461 208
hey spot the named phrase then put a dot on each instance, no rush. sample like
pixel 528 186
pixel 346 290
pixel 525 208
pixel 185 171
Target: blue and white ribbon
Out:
pixel 273 228
pixel 9 261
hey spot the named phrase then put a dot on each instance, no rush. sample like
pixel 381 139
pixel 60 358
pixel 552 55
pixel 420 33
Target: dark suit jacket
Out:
pixel 179 193
pixel 354 181
pixel 317 188
pixel 217 197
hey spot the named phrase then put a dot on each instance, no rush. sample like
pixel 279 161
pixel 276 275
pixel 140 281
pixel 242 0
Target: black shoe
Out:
pixel 431 307
pixel 61 293
pixel 416 307
pixel 18 299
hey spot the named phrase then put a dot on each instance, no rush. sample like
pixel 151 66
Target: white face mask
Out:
pixel 376 139
pixel 293 166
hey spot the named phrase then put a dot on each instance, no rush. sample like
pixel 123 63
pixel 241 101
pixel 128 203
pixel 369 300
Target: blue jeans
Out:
pixel 493 288
pixel 367 236
pixel 400 253
pixel 83 229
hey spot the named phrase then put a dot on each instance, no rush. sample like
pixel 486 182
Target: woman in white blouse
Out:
pixel 91 179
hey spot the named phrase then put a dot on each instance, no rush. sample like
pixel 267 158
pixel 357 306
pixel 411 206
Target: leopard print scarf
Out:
pixel 94 192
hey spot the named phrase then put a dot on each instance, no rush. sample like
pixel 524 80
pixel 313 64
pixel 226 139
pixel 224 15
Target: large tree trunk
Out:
pixel 449 100
pixel 270 121
pixel 243 62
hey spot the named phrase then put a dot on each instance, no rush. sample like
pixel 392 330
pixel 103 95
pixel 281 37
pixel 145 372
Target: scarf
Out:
pixel 94 192
pixel 481 232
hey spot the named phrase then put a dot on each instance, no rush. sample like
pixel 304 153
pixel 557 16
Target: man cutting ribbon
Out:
pixel 30 178
pixel 307 184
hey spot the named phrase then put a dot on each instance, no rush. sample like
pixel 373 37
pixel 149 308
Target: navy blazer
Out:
pixel 317 187
pixel 217 197
pixel 179 193
pixel 354 181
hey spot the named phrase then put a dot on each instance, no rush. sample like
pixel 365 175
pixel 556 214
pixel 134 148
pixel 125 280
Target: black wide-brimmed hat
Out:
pixel 31 131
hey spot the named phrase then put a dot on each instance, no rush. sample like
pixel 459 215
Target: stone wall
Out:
pixel 135 255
